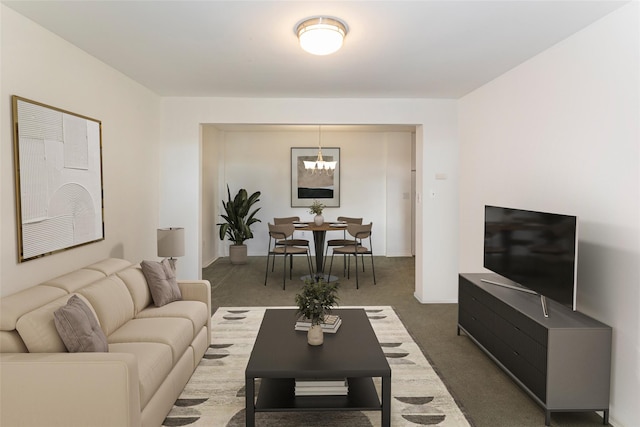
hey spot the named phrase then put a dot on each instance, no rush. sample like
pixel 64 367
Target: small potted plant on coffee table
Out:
pixel 314 302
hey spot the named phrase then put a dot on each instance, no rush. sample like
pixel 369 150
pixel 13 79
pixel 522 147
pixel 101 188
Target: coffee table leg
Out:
pixel 386 401
pixel 250 413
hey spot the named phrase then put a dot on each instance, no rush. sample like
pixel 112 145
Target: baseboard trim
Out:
pixel 430 301
pixel 207 264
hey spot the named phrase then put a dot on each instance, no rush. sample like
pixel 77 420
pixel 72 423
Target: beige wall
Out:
pixel 560 133
pixel 38 65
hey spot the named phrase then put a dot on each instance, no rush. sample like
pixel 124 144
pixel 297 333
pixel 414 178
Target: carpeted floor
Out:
pixel 487 395
pixel 215 393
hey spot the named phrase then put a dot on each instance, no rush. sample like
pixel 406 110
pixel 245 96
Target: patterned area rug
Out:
pixel 215 395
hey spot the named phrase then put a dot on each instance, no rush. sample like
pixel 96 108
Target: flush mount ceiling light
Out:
pixel 321 35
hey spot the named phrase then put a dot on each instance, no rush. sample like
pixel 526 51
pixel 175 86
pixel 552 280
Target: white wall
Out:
pixel 38 65
pixel 375 170
pixel 436 266
pixel 211 159
pixel 560 133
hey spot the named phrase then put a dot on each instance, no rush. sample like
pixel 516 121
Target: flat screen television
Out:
pixel 537 250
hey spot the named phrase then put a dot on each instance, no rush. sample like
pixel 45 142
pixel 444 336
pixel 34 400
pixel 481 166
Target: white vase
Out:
pixel 315 335
pixel 318 219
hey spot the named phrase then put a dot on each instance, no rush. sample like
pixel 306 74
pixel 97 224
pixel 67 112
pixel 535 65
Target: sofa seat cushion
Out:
pixel 175 332
pixel 195 311
pixel 155 361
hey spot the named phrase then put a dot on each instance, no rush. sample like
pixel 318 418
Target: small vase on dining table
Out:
pixel 318 220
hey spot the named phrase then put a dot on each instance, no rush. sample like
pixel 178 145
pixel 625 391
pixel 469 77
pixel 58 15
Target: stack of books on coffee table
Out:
pixel 322 387
pixel 330 325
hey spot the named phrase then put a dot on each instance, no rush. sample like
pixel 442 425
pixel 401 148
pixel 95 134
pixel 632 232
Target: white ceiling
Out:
pixel 394 49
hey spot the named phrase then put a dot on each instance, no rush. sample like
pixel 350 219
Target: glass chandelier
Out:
pixel 320 165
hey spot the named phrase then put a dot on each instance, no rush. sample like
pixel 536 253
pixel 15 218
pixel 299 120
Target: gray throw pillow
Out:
pixel 162 282
pixel 78 327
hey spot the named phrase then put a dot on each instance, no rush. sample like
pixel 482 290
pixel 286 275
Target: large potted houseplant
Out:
pixel 314 302
pixel 238 221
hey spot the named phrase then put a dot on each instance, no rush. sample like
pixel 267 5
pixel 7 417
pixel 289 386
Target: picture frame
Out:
pixel 307 186
pixel 58 179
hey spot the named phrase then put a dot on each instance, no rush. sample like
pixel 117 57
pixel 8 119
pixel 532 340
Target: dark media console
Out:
pixel 562 361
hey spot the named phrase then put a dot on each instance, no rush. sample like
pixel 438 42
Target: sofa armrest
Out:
pixel 69 389
pixel 198 290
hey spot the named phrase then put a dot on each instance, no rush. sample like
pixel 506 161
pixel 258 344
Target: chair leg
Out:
pixel 284 271
pixel 266 273
pixel 344 265
pixel 331 264
pixel 356 257
pixel 290 267
pixel 373 270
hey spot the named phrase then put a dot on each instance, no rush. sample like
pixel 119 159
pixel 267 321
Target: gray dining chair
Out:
pixel 360 233
pixel 290 241
pixel 279 233
pixel 344 241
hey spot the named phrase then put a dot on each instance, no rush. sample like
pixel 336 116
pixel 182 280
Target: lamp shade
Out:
pixel 170 242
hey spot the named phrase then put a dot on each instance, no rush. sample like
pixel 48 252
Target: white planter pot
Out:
pixel 318 220
pixel 315 336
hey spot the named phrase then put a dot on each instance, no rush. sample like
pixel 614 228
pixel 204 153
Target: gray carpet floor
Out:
pixel 485 393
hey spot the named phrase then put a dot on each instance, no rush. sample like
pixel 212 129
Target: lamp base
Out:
pixel 172 263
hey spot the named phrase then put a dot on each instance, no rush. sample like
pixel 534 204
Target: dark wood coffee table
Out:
pixel 281 354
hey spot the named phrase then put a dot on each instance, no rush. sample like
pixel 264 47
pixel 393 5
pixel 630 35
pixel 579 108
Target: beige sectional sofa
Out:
pixel 152 350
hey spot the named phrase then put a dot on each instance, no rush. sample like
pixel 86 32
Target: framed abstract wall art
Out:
pixel 58 179
pixel 321 185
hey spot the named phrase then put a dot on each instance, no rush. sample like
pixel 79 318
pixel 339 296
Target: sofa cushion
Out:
pixel 162 282
pixel 77 326
pixel 175 332
pixel 38 330
pixel 75 280
pixel 154 364
pixel 135 281
pixel 195 311
pixel 14 306
pixel 109 266
pixel 112 302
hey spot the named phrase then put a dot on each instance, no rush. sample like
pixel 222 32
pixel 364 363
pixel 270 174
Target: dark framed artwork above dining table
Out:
pixel 307 186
